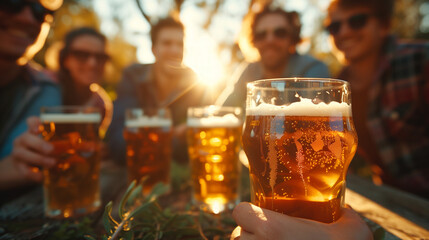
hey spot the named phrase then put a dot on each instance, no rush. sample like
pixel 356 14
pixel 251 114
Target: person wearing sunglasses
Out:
pixel 389 79
pixel 82 61
pixel 274 34
pixel 24 89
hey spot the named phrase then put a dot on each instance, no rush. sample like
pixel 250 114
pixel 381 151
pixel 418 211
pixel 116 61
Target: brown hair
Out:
pixel 291 18
pixel 168 22
pixel 382 9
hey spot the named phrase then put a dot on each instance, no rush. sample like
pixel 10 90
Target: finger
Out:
pixel 236 233
pixel 24 152
pixel 34 125
pixel 248 216
pixel 30 173
pixel 34 142
pixel 28 157
pixel 350 224
pixel 240 234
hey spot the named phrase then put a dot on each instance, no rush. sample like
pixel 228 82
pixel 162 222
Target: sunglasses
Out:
pixel 279 33
pixel 16 6
pixel 355 22
pixel 83 56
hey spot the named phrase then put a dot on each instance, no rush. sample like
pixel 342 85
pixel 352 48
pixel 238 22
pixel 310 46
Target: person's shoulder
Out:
pixel 40 75
pixel 137 68
pixel 307 59
pixel 411 47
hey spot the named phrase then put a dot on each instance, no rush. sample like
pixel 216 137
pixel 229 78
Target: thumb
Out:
pixel 34 125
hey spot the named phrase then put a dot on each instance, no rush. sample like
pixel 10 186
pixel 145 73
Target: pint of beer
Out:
pixel 148 137
pixel 71 187
pixel 299 138
pixel 214 143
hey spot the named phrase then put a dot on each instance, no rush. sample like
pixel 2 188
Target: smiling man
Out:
pixel 165 83
pixel 23 90
pixel 390 84
pixel 275 34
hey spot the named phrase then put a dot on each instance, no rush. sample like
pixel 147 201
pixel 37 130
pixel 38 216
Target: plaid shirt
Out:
pixel 398 114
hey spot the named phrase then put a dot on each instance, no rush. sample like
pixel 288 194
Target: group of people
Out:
pixel 389 80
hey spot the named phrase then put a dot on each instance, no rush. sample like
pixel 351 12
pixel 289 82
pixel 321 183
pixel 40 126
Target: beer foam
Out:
pixel 71 117
pixel 303 108
pixel 228 120
pixel 145 121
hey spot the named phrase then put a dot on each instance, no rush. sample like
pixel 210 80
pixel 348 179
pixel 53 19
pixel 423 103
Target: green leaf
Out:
pixel 109 223
pixel 88 237
pixel 158 190
pixel 125 198
pixel 140 209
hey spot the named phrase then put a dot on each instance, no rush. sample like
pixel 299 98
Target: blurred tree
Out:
pixel 219 19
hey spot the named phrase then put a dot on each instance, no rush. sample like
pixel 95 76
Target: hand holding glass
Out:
pixel 71 187
pixel 299 138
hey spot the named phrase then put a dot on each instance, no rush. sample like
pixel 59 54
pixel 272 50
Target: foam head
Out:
pixel 71 117
pixel 145 121
pixel 303 108
pixel 228 120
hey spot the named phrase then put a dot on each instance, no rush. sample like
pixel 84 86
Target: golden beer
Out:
pixel 71 187
pixel 298 156
pixel 148 150
pixel 214 144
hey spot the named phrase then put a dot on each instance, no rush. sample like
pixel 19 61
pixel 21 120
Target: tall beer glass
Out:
pixel 299 138
pixel 148 136
pixel 71 187
pixel 214 143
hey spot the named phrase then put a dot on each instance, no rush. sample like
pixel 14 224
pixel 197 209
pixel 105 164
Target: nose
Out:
pixel 177 50
pixel 270 36
pixel 344 30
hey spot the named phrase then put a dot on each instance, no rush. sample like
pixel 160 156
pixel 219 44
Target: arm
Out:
pixel 29 153
pixel 257 223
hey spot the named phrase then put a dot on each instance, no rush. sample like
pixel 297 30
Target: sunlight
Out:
pixel 201 55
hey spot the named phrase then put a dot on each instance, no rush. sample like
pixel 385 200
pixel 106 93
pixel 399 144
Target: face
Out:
pixel 358 40
pixel 168 48
pixel 86 60
pixel 272 39
pixel 19 28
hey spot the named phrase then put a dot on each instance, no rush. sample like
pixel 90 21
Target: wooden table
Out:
pixel 402 215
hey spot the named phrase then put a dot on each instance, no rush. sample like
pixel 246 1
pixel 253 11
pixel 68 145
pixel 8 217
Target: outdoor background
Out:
pixel 212 30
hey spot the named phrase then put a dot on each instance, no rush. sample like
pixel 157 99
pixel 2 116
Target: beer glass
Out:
pixel 147 133
pixel 299 138
pixel 214 143
pixel 71 187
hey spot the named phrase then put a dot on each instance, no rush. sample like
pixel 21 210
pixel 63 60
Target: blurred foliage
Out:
pixel 407 23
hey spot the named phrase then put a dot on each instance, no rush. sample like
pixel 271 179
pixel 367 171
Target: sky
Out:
pixel 201 47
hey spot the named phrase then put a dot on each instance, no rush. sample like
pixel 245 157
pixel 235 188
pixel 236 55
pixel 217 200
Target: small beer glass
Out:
pixel 214 143
pixel 299 139
pixel 147 133
pixel 71 187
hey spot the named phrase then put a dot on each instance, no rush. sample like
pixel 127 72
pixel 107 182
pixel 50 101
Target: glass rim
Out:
pixel 52 109
pixel 340 82
pixel 215 107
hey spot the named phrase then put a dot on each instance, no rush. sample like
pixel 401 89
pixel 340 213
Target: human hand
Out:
pixel 29 154
pixel 258 223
